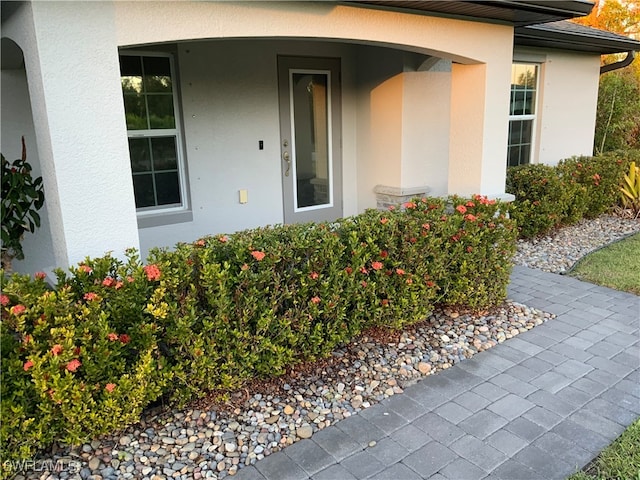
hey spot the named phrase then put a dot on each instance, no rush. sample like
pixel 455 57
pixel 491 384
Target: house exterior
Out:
pixel 159 122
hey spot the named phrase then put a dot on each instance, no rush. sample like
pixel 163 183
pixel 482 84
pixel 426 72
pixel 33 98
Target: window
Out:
pixel 522 112
pixel 150 104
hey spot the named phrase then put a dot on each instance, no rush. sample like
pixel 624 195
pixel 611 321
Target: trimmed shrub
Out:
pixel 87 356
pixel 548 197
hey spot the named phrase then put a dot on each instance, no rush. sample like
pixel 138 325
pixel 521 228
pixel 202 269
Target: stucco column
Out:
pixel 71 60
pixel 479 128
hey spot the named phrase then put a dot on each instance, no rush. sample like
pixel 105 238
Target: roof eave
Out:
pixel 530 37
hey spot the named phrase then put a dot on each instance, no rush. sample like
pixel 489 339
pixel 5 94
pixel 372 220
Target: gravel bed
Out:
pixel 206 441
pixel 559 251
pixel 214 441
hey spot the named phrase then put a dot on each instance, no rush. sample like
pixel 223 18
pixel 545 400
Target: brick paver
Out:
pixel 541 405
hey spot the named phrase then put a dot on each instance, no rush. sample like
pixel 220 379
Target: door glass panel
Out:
pixel 311 126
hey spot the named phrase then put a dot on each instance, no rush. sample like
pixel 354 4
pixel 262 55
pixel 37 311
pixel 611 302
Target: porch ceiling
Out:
pixel 513 12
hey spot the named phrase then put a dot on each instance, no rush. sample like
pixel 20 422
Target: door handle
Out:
pixel 287 158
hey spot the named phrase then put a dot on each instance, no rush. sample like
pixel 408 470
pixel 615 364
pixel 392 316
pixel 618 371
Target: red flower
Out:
pixel 76 351
pixel 112 337
pixel 124 338
pixel 469 249
pixel 119 285
pixel 384 254
pixel 426 226
pixel 364 270
pixel 430 284
pixel 109 387
pixel 85 268
pixel 314 275
pixel 107 282
pixel 73 365
pixel 410 205
pixel 27 338
pixel 18 309
pixel 471 204
pixel 223 239
pixel 315 300
pixel 27 365
pixel 258 255
pixel 376 265
pixel 384 220
pixel 4 300
pixel 153 272
pixel 363 283
pixel 399 271
pixel 90 296
pixel 40 275
pixel 470 218
pixel 443 218
pixel 391 208
pixel 385 302
pixel 349 270
pixel 413 239
pixel 56 350
pixel 200 243
pixel 461 209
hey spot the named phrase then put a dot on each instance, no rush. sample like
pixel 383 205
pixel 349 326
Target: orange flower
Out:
pixel 461 209
pixel 470 218
pixel 244 267
pixel 110 387
pixel 18 309
pixel 409 281
pixel 73 365
pixel 469 249
pixel 258 255
pixel 410 205
pixel 376 265
pixel 40 275
pixel 200 243
pixel 4 300
pixel 349 270
pixel 27 365
pixel 471 204
pixel 384 221
pixel 315 300
pixel 153 272
pixel 112 337
pixel 399 271
pixel 363 283
pixel 27 338
pixel 364 270
pixel 426 226
pixel 223 239
pixel 392 208
pixel 118 285
pixel 107 282
pixel 314 275
pixel 130 279
pixel 384 302
pixel 90 296
pixel 85 268
pixel 56 350
pixel 430 284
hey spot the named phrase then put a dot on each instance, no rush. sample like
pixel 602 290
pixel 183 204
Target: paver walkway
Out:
pixel 539 406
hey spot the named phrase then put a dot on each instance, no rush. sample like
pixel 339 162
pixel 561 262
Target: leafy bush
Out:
pixel 78 360
pixel 578 187
pixel 87 356
pixel 22 197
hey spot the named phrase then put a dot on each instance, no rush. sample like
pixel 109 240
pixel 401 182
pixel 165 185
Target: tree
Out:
pixel 618 115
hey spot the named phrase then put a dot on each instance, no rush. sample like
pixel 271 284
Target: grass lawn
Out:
pixel 615 266
pixel 620 460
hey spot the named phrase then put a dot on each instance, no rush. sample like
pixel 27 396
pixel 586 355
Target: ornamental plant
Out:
pixel 630 189
pixel 87 356
pixel 22 197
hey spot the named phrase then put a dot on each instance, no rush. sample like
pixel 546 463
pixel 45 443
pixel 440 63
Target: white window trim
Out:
pixel 534 116
pixel 161 215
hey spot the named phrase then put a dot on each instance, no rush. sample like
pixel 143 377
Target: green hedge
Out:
pixel 87 356
pixel 548 197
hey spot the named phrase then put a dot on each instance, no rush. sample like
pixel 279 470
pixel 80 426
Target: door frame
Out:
pixel 287 66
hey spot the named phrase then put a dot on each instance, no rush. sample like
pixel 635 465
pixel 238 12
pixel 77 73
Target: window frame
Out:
pixel 533 117
pixel 174 213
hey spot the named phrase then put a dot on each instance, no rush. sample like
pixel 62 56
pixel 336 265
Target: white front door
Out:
pixel 310 138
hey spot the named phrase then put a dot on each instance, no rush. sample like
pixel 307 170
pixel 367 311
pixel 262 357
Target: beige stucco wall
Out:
pixel 227 56
pixel 567 103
